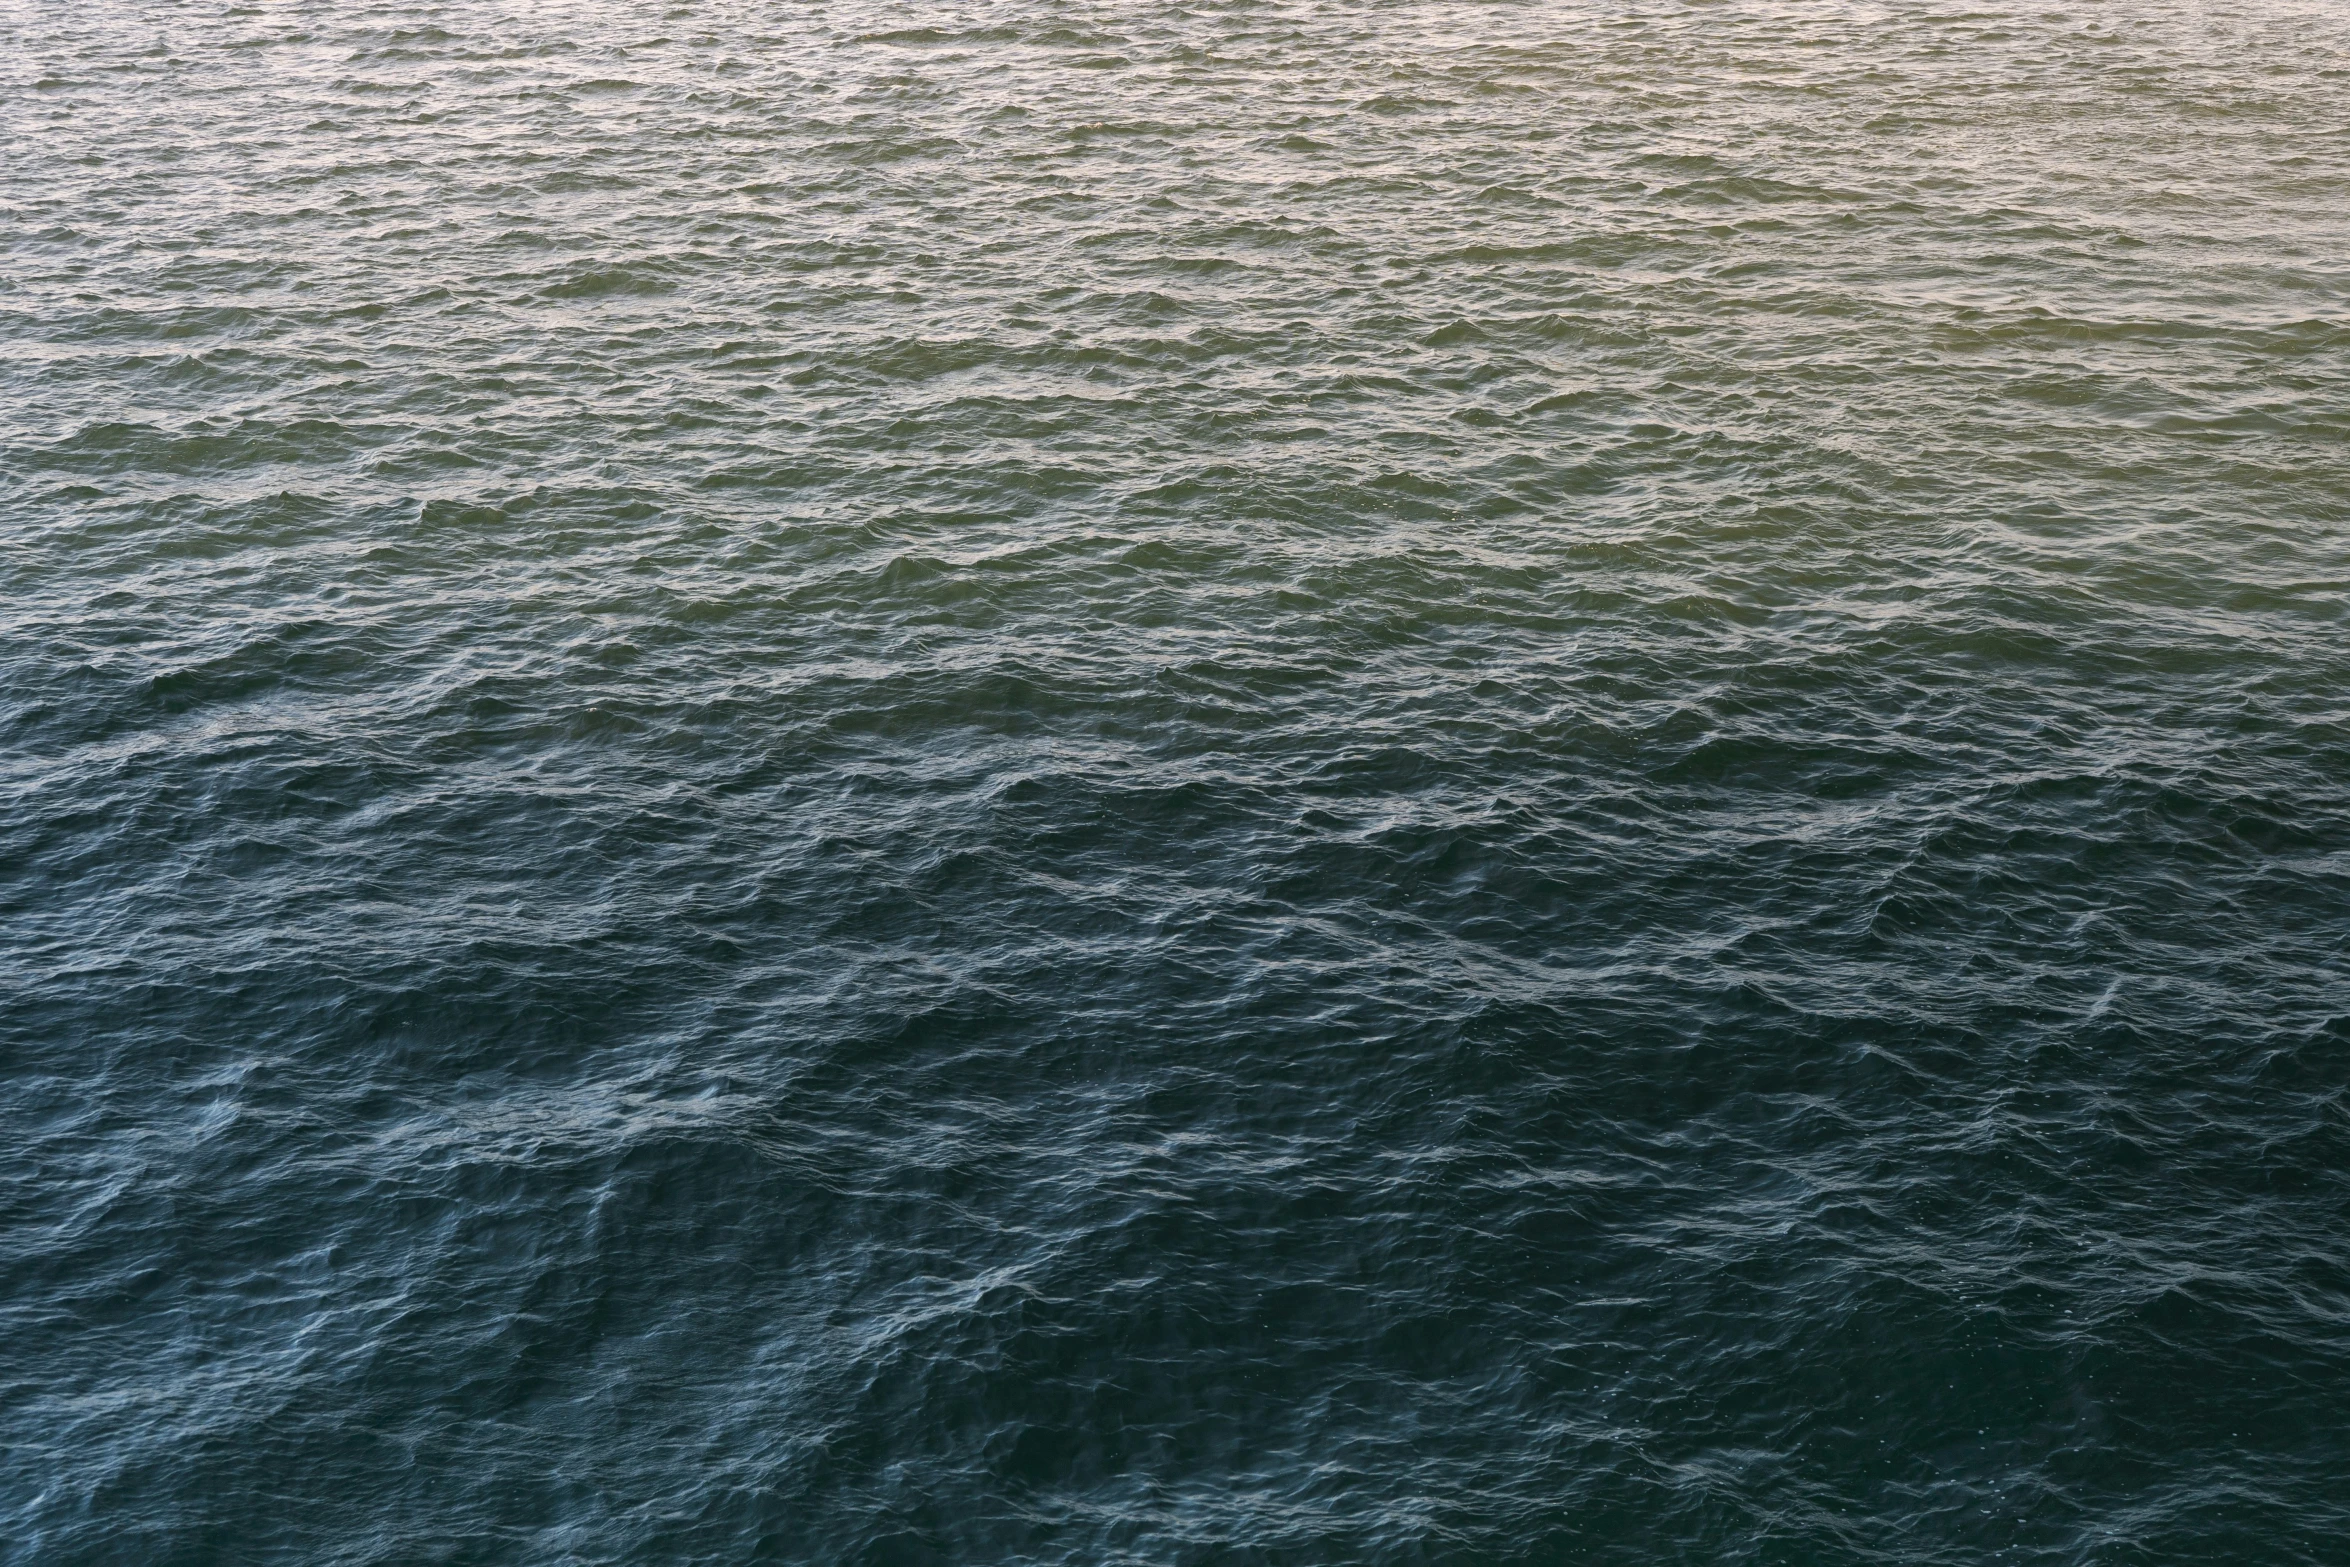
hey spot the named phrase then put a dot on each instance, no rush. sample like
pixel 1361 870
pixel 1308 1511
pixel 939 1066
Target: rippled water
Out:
pixel 1092 783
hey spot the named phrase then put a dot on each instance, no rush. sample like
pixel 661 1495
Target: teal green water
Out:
pixel 1116 783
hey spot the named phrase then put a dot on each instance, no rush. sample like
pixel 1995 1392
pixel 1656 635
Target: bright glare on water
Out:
pixel 1127 783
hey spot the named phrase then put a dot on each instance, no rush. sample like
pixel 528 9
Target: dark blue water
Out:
pixel 1123 783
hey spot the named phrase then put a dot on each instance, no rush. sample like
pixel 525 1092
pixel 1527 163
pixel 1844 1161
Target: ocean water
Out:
pixel 1116 783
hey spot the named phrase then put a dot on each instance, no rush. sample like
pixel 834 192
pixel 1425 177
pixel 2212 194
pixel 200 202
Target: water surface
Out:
pixel 1127 783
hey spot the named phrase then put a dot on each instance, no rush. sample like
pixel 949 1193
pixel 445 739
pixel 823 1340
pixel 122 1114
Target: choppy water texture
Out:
pixel 1115 783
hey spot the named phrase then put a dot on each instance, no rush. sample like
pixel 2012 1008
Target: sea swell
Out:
pixel 1112 783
